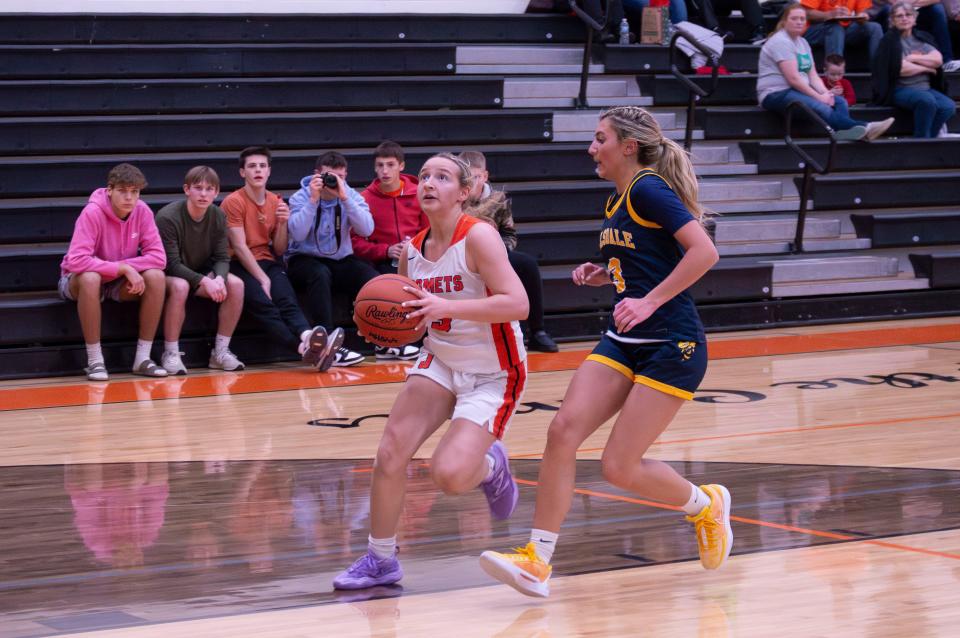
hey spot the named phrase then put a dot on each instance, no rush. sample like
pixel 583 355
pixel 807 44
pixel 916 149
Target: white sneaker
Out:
pixel 876 129
pixel 225 360
pixel 402 353
pixel 951 66
pixel 345 358
pixel 172 363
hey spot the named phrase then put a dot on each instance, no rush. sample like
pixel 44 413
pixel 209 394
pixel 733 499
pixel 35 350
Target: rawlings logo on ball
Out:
pixel 389 315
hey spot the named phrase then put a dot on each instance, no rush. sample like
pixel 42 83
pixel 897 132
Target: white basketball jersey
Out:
pixel 468 346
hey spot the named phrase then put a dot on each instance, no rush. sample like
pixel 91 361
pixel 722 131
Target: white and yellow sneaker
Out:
pixel 523 570
pixel 712 525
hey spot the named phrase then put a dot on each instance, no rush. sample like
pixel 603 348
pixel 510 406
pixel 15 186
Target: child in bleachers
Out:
pixel 834 67
pixel 116 253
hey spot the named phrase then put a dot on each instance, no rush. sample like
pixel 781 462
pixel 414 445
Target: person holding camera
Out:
pixel 319 256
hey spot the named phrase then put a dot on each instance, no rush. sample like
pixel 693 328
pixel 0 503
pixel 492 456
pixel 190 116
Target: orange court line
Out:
pixel 753 521
pixel 302 378
pixel 810 428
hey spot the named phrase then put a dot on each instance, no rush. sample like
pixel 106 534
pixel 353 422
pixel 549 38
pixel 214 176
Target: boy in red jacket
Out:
pixel 834 66
pixel 392 198
pixel 116 254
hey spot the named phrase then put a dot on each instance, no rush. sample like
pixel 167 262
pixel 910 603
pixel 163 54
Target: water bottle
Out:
pixel 396 262
pixel 624 32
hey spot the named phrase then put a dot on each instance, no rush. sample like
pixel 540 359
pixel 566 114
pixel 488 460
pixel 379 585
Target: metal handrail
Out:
pixel 695 92
pixel 809 164
pixel 591 25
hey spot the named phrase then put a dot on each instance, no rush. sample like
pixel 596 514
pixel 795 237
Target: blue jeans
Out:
pixel 837 117
pixel 931 109
pixel 833 36
pixel 634 9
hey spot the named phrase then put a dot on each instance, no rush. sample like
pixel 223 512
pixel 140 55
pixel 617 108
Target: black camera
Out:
pixel 329 180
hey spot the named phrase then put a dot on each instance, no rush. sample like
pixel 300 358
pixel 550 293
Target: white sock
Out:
pixel 143 352
pixel 698 500
pixel 545 542
pixel 491 465
pixel 171 346
pixel 94 353
pixel 221 343
pixel 382 547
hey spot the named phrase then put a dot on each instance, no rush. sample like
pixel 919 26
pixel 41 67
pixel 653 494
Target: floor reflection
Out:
pixel 194 539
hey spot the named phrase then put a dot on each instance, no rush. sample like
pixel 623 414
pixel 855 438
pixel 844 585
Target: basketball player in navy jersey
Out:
pixel 471 368
pixel 649 361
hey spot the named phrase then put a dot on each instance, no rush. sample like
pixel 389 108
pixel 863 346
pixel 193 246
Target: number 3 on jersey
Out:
pixel 616 273
pixel 441 325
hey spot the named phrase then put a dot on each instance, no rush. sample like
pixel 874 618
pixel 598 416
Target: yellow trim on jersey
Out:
pixel 633 214
pixel 663 387
pixel 616 365
pixel 610 211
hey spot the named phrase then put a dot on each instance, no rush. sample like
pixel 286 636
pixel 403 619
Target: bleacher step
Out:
pixel 761 229
pixel 849 286
pixel 773 247
pixel 539 92
pixel 823 269
pixel 536 55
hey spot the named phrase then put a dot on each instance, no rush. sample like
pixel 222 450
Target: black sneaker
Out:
pixel 402 353
pixel 345 358
pixel 542 342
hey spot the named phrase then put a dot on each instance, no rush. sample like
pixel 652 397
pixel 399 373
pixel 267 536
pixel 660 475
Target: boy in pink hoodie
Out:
pixel 116 253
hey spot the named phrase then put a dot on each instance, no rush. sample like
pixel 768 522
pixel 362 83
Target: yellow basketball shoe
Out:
pixel 523 570
pixel 712 524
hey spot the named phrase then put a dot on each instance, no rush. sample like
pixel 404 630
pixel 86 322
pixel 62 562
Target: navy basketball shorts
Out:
pixel 673 367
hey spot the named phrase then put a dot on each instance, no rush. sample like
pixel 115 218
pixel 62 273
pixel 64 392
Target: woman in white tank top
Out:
pixel 471 370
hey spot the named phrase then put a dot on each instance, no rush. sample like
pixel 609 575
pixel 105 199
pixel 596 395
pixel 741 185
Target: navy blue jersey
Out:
pixel 638 245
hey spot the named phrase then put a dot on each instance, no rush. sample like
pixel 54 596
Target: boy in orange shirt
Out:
pixel 837 23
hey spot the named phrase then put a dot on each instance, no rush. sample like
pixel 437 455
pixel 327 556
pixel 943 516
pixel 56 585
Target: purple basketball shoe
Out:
pixel 369 571
pixel 501 492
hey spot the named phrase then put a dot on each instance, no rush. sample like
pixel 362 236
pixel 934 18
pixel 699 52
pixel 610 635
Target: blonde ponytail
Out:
pixel 675 167
pixel 666 156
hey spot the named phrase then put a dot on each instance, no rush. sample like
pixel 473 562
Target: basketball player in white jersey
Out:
pixel 471 370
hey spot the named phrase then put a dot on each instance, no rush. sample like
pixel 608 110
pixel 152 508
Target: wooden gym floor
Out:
pixel 222 504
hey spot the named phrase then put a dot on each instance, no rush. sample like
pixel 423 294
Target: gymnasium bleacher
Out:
pixel 80 94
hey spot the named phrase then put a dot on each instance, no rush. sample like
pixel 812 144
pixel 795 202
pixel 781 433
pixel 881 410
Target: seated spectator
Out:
pixel 952 9
pixel 102 263
pixel 194 235
pixel 834 24
pixel 494 207
pixel 257 230
pixel 934 17
pixel 320 257
pixel 785 74
pixel 752 14
pixel 392 198
pixel 834 67
pixel 907 73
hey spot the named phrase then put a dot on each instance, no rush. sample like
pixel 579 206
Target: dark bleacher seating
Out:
pixel 191 29
pixel 753 122
pixel 741 89
pixel 246 95
pixel 909 229
pixel 40 61
pixel 941 268
pixel 651 58
pixel 774 156
pixel 163 133
pixel 879 190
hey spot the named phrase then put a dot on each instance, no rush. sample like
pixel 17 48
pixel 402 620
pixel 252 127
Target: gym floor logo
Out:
pixel 901 380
